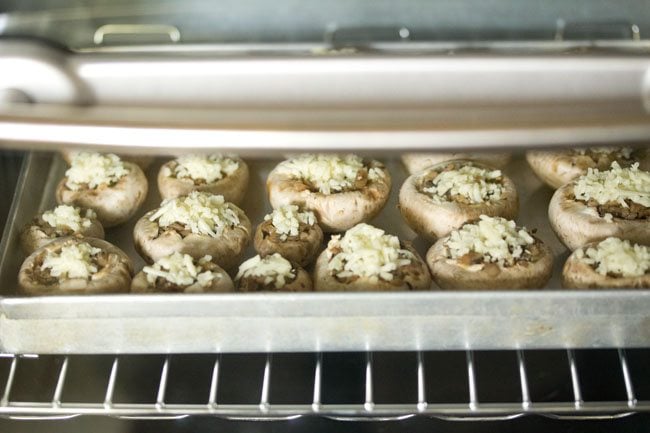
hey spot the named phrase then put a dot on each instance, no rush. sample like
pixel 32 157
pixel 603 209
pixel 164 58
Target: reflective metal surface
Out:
pixel 548 318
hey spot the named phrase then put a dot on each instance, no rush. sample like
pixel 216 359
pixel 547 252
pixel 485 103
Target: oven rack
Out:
pixel 576 407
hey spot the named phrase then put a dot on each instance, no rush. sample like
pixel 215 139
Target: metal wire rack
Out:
pixel 576 407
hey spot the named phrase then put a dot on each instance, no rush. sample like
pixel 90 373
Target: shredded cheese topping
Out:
pixel 617 257
pixel 69 216
pixel 366 251
pixel 73 261
pixel 273 268
pixel 206 167
pixel 182 270
pixel 476 184
pixel 200 212
pixel 496 239
pixel 614 185
pixel 328 173
pixel 622 152
pixel 93 170
pixel 287 220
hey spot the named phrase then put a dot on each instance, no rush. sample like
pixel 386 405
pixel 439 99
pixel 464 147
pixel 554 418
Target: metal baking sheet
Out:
pixel 261 322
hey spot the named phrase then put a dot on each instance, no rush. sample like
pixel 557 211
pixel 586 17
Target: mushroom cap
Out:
pixel 217 285
pixel 558 168
pixel 32 237
pixel 301 249
pixel 226 250
pixel 324 281
pixel 416 162
pixel 335 212
pixel 576 224
pixel 232 187
pixel 577 274
pixel 451 276
pixel 115 277
pixel 435 220
pixel 142 161
pixel 113 204
pixel 302 283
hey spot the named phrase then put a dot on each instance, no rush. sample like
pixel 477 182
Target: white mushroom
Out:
pixel 609 264
pixel 112 188
pixel 445 196
pixel 76 266
pixel 198 224
pixel 556 168
pixel 365 258
pixel 341 190
pixel 416 162
pixel 272 273
pixel 181 273
pixel 224 175
pixel 602 204
pixel 292 233
pixel 60 222
pixel 491 254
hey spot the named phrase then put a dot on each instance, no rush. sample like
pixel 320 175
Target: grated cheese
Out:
pixel 496 239
pixel 476 184
pixel 616 256
pixel 287 220
pixel 206 167
pixel 200 212
pixel 614 185
pixel 182 270
pixel 366 251
pixel 68 216
pixel 93 170
pixel 73 261
pixel 328 173
pixel 622 152
pixel 273 268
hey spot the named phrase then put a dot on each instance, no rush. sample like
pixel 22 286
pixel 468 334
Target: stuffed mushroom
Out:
pixel 181 273
pixel 556 168
pixel 76 266
pixel 217 174
pixel 197 224
pixel 292 233
pixel 492 253
pixel 610 264
pixel 62 221
pixel 341 190
pixel 365 258
pixel 445 196
pixel 416 162
pixel 142 161
pixel 114 189
pixel 272 273
pixel 602 204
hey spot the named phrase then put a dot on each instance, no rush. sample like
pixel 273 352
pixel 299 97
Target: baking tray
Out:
pixel 261 322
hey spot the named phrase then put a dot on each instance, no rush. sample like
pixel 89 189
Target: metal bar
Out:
pixel 575 379
pixel 266 384
pixel 422 397
pixel 368 401
pixel 58 390
pixel 10 381
pixel 523 379
pixel 110 387
pixel 162 386
pixel 316 400
pixel 627 378
pixel 214 382
pixel 471 379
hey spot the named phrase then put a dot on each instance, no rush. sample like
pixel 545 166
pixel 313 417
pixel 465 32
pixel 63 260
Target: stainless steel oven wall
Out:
pixel 198 21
